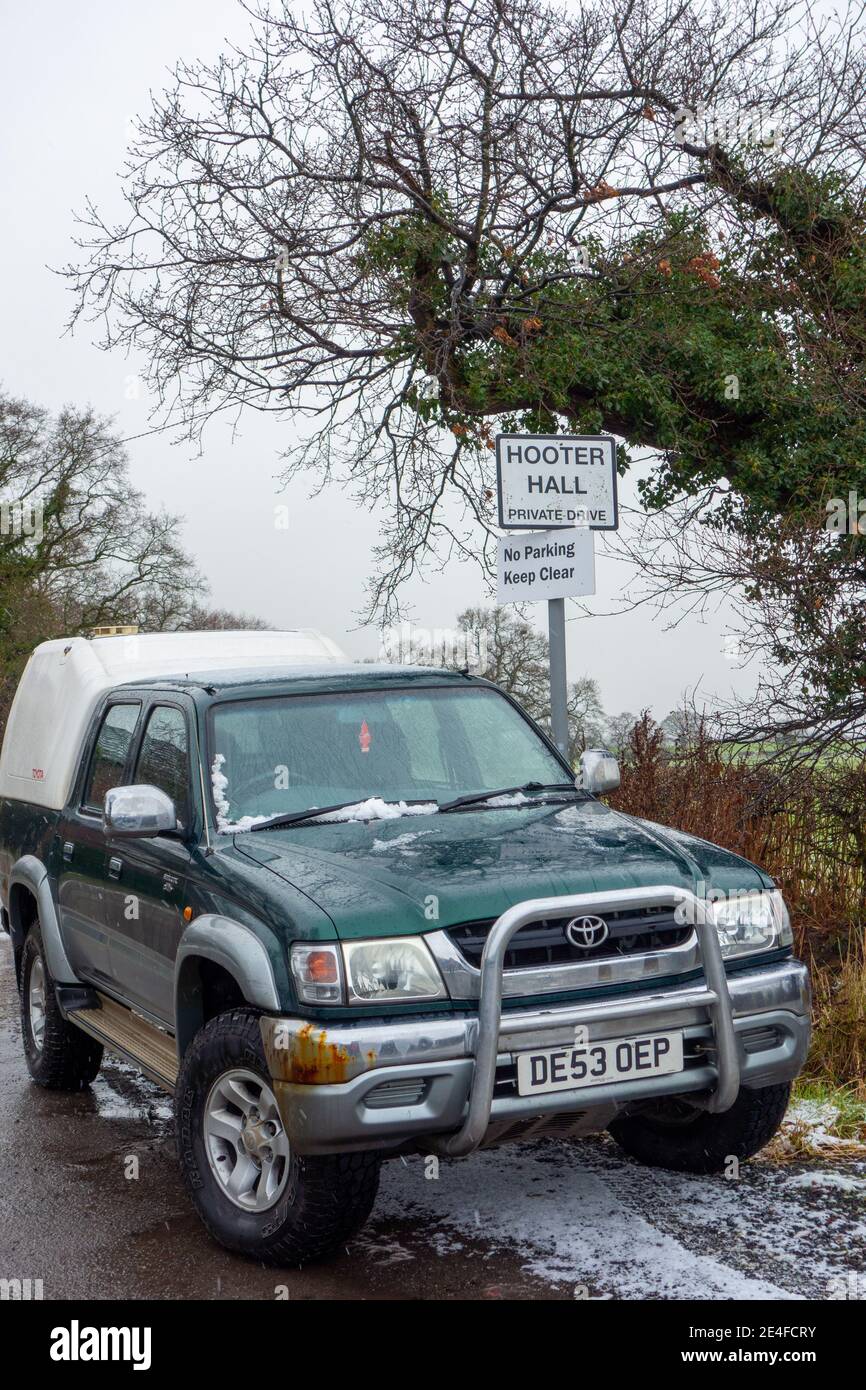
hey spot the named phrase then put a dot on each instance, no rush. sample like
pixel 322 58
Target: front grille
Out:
pixel 633 931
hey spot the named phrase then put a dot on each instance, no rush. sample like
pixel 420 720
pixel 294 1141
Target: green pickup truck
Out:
pixel 347 912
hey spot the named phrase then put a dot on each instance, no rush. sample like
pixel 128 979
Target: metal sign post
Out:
pixel 567 484
pixel 558 674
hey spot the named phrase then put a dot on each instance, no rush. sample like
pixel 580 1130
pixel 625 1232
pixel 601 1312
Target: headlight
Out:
pixel 749 922
pixel 392 969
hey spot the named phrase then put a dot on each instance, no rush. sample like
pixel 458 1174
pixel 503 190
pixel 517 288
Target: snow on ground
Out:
pixel 585 1219
pixel 122 1093
pixel 585 1216
pixel 841 1181
pixel 809 1126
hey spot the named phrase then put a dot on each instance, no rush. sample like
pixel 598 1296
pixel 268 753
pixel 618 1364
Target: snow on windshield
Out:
pixel 374 808
pixel 377 809
pixel 509 799
pixel 220 783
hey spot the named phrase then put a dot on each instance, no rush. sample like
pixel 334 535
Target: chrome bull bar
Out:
pixel 715 997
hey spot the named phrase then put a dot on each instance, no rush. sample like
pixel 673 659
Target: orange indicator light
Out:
pixel 321 968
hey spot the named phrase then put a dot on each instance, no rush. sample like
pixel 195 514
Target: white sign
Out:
pixel 545 565
pixel 552 480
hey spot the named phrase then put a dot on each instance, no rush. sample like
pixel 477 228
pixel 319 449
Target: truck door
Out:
pixel 144 892
pixel 81 875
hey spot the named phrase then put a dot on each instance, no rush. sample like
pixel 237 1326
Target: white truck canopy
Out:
pixel 65 679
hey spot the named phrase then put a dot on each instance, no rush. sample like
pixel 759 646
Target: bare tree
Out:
pixel 78 546
pixel 619 729
pixel 201 619
pixel 796 595
pixel 586 717
pixel 98 555
pixel 518 660
pixel 517 656
pixel 406 219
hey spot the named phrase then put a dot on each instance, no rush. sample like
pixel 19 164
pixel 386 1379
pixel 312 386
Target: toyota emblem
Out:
pixel 586 932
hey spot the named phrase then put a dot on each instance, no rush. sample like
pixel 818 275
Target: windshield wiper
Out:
pixel 313 812
pixel 528 787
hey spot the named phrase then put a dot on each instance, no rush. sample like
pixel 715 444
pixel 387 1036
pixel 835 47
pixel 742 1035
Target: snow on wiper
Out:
pixel 520 795
pixel 374 808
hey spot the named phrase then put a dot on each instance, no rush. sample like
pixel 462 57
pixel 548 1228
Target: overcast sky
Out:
pixel 72 79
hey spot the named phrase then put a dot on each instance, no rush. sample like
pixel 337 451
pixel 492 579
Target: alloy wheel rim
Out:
pixel 36 1004
pixel 247 1148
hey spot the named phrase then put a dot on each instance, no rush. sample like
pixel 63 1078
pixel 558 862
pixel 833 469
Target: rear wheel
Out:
pixel 59 1056
pixel 251 1190
pixel 675 1134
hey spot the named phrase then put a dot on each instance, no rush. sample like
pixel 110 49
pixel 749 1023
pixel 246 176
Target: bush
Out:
pixel 807 827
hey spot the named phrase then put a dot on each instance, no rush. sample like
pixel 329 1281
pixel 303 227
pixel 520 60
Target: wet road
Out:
pixel 546 1220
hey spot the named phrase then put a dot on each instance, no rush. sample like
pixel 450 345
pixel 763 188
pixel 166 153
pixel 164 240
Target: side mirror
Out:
pixel 143 811
pixel 599 771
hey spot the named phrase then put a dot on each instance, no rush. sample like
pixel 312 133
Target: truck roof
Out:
pixel 322 678
pixel 65 679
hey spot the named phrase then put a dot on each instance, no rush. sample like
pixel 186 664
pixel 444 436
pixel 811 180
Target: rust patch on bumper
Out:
pixel 306 1057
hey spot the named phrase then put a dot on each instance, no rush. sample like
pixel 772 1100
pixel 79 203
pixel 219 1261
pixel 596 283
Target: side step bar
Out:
pixel 133 1037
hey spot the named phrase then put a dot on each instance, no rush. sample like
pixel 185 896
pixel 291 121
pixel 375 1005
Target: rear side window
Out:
pixel 163 759
pixel 110 753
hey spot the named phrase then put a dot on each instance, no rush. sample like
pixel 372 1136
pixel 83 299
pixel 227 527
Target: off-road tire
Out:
pixel 68 1059
pixel 326 1199
pixel 705 1143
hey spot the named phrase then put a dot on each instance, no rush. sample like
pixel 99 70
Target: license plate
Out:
pixel 593 1064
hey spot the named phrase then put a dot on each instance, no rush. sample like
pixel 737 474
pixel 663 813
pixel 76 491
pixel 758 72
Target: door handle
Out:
pixel 114 867
pixel 68 851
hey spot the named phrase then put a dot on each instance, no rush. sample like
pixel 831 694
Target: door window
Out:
pixel 163 759
pixel 110 753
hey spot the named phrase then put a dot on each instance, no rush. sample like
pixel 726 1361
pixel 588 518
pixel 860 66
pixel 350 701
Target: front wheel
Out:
pixel 675 1134
pixel 251 1190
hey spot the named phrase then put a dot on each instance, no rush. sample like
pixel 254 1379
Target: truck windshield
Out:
pixel 279 755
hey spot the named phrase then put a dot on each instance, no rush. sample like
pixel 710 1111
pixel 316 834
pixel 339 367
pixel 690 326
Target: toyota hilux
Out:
pixel 348 912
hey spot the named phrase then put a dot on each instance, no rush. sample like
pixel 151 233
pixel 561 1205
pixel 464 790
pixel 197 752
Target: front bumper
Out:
pixel 447 1083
